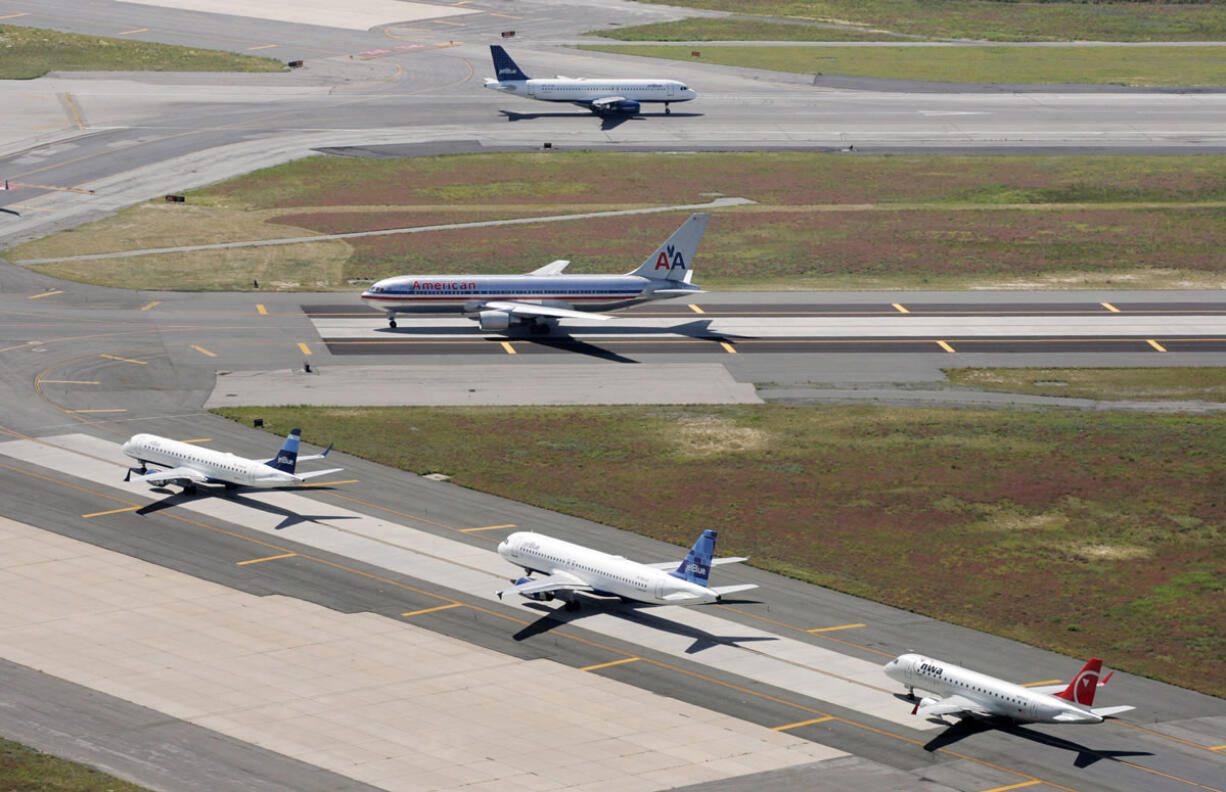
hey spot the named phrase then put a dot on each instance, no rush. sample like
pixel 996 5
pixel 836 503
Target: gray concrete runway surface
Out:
pixel 346 636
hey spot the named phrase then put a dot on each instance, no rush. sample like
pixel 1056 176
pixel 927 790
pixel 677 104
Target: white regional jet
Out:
pixel 190 465
pixel 568 568
pixel 603 97
pixel 966 692
pixel 543 296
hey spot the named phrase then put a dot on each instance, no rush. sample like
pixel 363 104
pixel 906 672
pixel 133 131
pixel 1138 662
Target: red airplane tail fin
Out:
pixel 1081 689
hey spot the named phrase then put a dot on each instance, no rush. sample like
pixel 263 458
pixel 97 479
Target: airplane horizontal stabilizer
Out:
pixel 677 292
pixel 320 455
pixel 1107 712
pixel 532 309
pixel 317 473
pixel 174 474
pixel 724 591
pixel 714 562
pixel 552 268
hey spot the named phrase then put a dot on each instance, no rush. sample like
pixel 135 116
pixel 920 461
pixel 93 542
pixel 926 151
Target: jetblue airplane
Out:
pixel 602 97
pixel 189 465
pixel 543 296
pixel 966 692
pixel 568 568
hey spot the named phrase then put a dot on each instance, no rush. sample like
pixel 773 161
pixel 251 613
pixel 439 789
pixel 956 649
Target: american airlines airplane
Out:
pixel 543 296
pixel 966 692
pixel 568 568
pixel 603 97
pixel 189 465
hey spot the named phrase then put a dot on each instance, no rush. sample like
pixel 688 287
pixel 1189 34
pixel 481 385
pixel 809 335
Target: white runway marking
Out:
pixel 692 634
pixel 352 14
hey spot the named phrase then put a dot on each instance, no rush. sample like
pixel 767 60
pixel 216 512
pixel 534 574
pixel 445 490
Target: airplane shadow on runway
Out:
pixel 606 122
pixel 636 612
pixel 968 727
pixel 289 517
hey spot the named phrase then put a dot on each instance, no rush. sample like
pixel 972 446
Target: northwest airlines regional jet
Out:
pixel 568 568
pixel 966 692
pixel 189 464
pixel 603 97
pixel 543 296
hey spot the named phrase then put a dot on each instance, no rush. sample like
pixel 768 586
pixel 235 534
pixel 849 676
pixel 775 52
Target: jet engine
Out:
pixel 544 596
pixel 494 320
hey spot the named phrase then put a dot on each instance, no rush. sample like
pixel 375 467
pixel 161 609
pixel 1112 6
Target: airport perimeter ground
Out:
pixel 346 637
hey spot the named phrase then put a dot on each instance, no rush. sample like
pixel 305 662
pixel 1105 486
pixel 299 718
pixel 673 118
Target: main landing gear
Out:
pixel 391 320
pixel 667 111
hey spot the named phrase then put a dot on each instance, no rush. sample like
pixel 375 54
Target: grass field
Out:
pixel 24 769
pixel 1136 66
pixel 26 53
pixel 738 29
pixel 1087 533
pixel 1109 384
pixel 993 20
pixel 822 221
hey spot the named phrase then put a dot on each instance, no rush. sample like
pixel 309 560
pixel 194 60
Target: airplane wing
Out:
pixel 317 473
pixel 1107 712
pixel 609 102
pixel 951 706
pixel 552 268
pixel 714 562
pixel 558 581
pixel 174 474
pixel 531 309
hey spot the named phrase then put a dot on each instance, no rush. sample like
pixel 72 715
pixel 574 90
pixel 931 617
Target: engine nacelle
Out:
pixel 630 108
pixel 494 320
pixel 544 596
pixel 923 702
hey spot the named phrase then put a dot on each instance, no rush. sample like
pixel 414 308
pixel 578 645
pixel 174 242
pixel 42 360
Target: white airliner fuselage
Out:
pixel 569 567
pixel 191 464
pixel 967 692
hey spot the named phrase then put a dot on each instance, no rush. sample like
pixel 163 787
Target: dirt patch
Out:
pixel 711 435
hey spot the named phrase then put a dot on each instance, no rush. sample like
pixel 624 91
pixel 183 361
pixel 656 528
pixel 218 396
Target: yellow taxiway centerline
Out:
pixel 265 558
pixel 69 382
pixel 945 346
pixel 487 528
pixel 14 16
pixel 1155 345
pixel 1110 307
pixel 1018 785
pixel 1044 682
pixel 125 360
pixel 133 30
pixel 729 348
pixel 507 346
pixel 203 351
pixel 899 308
pixel 262 46
pixel 435 608
pixel 306 350
pixel 837 627
pixel 623 661
pixel 44 294
pixel 198 440
pixel 696 309
pixel 809 722
pixel 109 410
pixel 329 483
pixel 112 511
pixel 261 310
pixel 147 306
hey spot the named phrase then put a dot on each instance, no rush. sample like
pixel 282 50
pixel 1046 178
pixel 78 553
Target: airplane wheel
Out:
pixel 391 323
pixel 540 329
pixel 572 605
pixel 667 110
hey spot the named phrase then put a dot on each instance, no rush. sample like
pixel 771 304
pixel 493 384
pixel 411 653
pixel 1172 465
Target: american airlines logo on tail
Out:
pixel 670 257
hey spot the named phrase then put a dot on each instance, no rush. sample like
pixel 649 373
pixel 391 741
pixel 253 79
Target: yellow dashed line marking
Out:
pixel 899 308
pixel 265 558
pixel 260 309
pixel 729 348
pixel 306 350
pixel 432 610
pixel 69 382
pixel 830 629
pixel 945 346
pixel 133 30
pixel 608 665
pixel 262 46
pixel 44 294
pixel 112 511
pixel 1019 785
pixel 14 16
pixel 71 104
pixel 204 351
pixel 147 306
pixel 445 22
pixel 1217 747
pixel 809 722
pixel 1110 307
pixel 505 16
pixel 696 309
pixel 507 346
pixel 198 440
pixel 125 360
pixel 1044 682
pixel 1155 345
pixel 487 528
pixel 330 483
pixel 116 410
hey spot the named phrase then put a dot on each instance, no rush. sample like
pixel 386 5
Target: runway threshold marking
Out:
pixel 147 306
pixel 899 308
pixel 945 346
pixel 306 350
pixel 265 558
pixel 435 608
pixel 1155 345
pixel 729 348
pixel 111 511
pixel 260 309
pixel 1110 307
pixel 798 724
pixel 696 309
pixel 1013 786
pixel 203 351
pixel 487 528
pixel 1044 682
pixel 125 360
pixel 831 629
pixel 610 664
pixel 507 346
pixel 45 294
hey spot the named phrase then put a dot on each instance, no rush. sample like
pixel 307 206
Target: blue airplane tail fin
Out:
pixel 287 458
pixel 504 67
pixel 696 568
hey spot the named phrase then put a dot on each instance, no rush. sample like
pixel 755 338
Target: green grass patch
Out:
pixel 27 53
pixel 1108 384
pixel 952 513
pixel 822 221
pixel 738 29
pixel 24 769
pixel 1137 66
pixel 999 20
